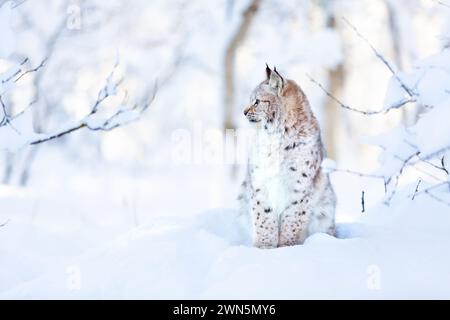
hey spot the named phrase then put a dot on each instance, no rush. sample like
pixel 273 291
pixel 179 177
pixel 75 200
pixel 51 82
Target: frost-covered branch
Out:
pixel 395 179
pixel 24 73
pixel 408 153
pixel 17 73
pixel 123 114
pixel 8 78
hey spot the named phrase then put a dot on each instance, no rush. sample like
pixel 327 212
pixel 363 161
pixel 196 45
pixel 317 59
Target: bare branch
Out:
pixel 412 95
pixel 58 134
pixel 436 154
pixel 4 223
pixel 442 3
pixel 417 189
pixel 431 195
pixel 443 165
pixel 41 65
pixel 367 113
pixel 363 206
pixel 114 121
pixel 360 174
pixel 408 90
pixel 397 177
pixel 7 119
pixel 107 124
pixel 20 73
pixel 436 186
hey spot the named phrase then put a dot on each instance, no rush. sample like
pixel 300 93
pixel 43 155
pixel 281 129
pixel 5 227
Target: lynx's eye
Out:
pixel 256 102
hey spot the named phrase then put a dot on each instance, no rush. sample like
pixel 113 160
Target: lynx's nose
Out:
pixel 246 111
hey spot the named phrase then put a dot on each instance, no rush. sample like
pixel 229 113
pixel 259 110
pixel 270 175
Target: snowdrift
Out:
pixel 395 253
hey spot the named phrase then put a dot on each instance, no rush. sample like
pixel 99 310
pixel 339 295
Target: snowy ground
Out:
pixel 54 247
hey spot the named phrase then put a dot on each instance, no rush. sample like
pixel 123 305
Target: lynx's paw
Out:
pixel 265 244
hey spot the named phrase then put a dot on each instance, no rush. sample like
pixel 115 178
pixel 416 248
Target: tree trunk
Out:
pixel 402 56
pixel 230 56
pixel 336 81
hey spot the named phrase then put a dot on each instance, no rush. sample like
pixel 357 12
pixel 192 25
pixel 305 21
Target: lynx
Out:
pixel 286 192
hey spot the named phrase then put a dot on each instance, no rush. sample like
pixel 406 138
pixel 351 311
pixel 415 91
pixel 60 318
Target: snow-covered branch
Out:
pixel 17 73
pixel 416 149
pixel 122 115
pixel 6 80
pixel 411 94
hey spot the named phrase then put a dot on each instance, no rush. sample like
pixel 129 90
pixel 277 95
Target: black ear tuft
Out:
pixel 268 72
pixel 276 81
pixel 282 79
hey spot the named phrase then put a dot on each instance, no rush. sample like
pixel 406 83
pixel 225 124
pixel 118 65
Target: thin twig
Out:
pixel 436 153
pixel 443 165
pixel 364 175
pixel 4 223
pixel 442 3
pixel 397 177
pixel 408 90
pixel 436 186
pixel 363 208
pixel 437 198
pixel 417 189
pixel 397 105
pixel 107 124
pixel 41 65
pixel 58 134
pixel 18 3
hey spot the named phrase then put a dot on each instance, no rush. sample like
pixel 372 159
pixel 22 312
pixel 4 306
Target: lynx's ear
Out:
pixel 276 81
pixel 268 72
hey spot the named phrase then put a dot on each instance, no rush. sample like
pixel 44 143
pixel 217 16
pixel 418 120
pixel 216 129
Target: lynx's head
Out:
pixel 280 103
pixel 265 101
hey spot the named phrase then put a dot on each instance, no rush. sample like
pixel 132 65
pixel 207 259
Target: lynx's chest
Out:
pixel 266 159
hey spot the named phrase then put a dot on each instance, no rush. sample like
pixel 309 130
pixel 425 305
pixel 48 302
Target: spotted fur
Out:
pixel 288 195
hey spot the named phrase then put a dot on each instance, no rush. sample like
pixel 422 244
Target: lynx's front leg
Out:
pixel 294 224
pixel 265 224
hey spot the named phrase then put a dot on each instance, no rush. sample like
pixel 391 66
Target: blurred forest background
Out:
pixel 205 57
pixel 120 119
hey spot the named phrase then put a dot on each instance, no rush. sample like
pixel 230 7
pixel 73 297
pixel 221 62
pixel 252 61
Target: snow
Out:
pixel 388 252
pixel 429 78
pixel 432 129
pixel 397 145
